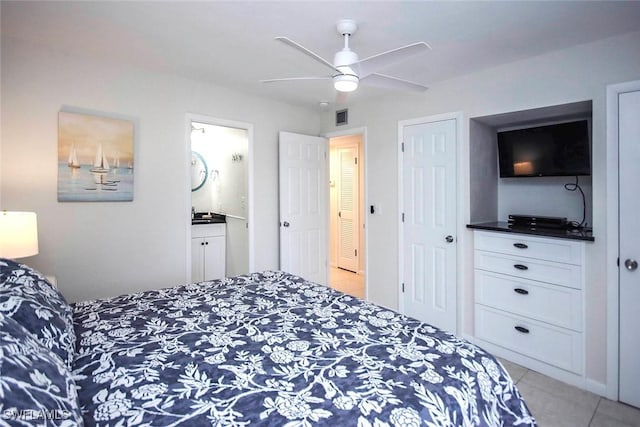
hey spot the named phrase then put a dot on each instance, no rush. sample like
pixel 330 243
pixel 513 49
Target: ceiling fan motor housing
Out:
pixel 345 57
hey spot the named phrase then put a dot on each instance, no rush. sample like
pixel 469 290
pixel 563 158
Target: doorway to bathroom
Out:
pixel 347 215
pixel 220 170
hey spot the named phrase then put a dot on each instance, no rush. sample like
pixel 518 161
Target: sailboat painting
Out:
pixel 73 158
pixel 85 145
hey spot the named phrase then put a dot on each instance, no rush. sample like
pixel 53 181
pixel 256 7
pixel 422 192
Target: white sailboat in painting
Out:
pixel 100 164
pixel 116 161
pixel 73 158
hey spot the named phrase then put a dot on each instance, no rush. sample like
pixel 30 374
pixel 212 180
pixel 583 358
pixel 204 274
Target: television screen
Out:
pixel 554 150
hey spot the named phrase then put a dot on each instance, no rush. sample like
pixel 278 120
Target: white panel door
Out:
pixel 348 197
pixel 629 151
pixel 429 210
pixel 303 206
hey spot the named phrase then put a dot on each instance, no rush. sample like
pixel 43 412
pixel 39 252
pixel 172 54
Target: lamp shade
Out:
pixel 18 234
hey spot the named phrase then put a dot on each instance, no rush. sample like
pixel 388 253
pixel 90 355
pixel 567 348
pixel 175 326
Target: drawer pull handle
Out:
pixel 520 245
pixel 521 291
pixel 521 329
pixel 521 267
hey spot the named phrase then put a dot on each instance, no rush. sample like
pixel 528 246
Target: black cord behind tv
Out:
pixel 560 149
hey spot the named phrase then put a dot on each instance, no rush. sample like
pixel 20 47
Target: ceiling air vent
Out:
pixel 342 117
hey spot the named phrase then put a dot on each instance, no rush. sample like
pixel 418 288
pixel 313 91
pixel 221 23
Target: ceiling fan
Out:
pixel 347 71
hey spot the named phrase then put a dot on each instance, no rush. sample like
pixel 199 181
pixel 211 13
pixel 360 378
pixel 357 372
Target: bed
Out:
pixel 268 348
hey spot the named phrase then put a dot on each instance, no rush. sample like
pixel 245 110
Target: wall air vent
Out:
pixel 342 117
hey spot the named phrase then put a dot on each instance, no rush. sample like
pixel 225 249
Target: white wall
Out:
pixel 104 249
pixel 570 75
pixel 483 173
pixel 545 196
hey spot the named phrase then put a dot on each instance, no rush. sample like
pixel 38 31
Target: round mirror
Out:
pixel 199 171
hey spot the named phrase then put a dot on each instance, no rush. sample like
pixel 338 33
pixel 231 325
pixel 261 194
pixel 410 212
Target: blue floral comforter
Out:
pixel 273 349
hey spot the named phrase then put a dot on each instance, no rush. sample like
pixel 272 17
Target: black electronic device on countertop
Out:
pixel 536 221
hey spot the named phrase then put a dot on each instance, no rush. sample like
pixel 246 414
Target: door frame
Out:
pixel 193 117
pixel 362 131
pixel 460 206
pixel 612 233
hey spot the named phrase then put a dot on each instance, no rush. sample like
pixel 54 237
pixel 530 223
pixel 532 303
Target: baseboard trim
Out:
pixel 571 378
pixel 596 387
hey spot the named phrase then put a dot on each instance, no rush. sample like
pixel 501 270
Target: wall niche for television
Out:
pixel 493 198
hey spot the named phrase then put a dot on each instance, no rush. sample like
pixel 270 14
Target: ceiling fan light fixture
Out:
pixel 345 82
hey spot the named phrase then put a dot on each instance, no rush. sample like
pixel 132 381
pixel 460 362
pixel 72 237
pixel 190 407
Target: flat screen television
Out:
pixel 560 149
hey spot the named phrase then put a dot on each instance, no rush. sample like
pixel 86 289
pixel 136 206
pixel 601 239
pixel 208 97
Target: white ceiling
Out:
pixel 232 43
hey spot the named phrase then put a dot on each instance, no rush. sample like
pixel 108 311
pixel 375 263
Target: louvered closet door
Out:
pixel 348 198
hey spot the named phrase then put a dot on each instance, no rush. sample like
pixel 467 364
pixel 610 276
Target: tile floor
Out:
pixel 347 282
pixel 556 404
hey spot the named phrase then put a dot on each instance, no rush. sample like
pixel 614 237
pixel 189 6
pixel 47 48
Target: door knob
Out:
pixel 631 264
pixel 449 238
pixel 285 224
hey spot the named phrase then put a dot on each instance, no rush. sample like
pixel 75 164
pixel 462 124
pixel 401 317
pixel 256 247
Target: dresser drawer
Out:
pixel 532 269
pixel 558 305
pixel 556 346
pixel 557 250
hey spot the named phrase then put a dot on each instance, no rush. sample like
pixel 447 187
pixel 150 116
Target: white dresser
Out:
pixel 529 301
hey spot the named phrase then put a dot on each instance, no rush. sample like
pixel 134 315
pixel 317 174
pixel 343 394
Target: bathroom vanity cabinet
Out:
pixel 208 251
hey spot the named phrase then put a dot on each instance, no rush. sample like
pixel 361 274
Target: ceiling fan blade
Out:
pixel 388 82
pixel 307 52
pixel 289 79
pixel 373 63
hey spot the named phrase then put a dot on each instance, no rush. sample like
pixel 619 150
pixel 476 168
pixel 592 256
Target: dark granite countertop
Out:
pixel 573 233
pixel 208 218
